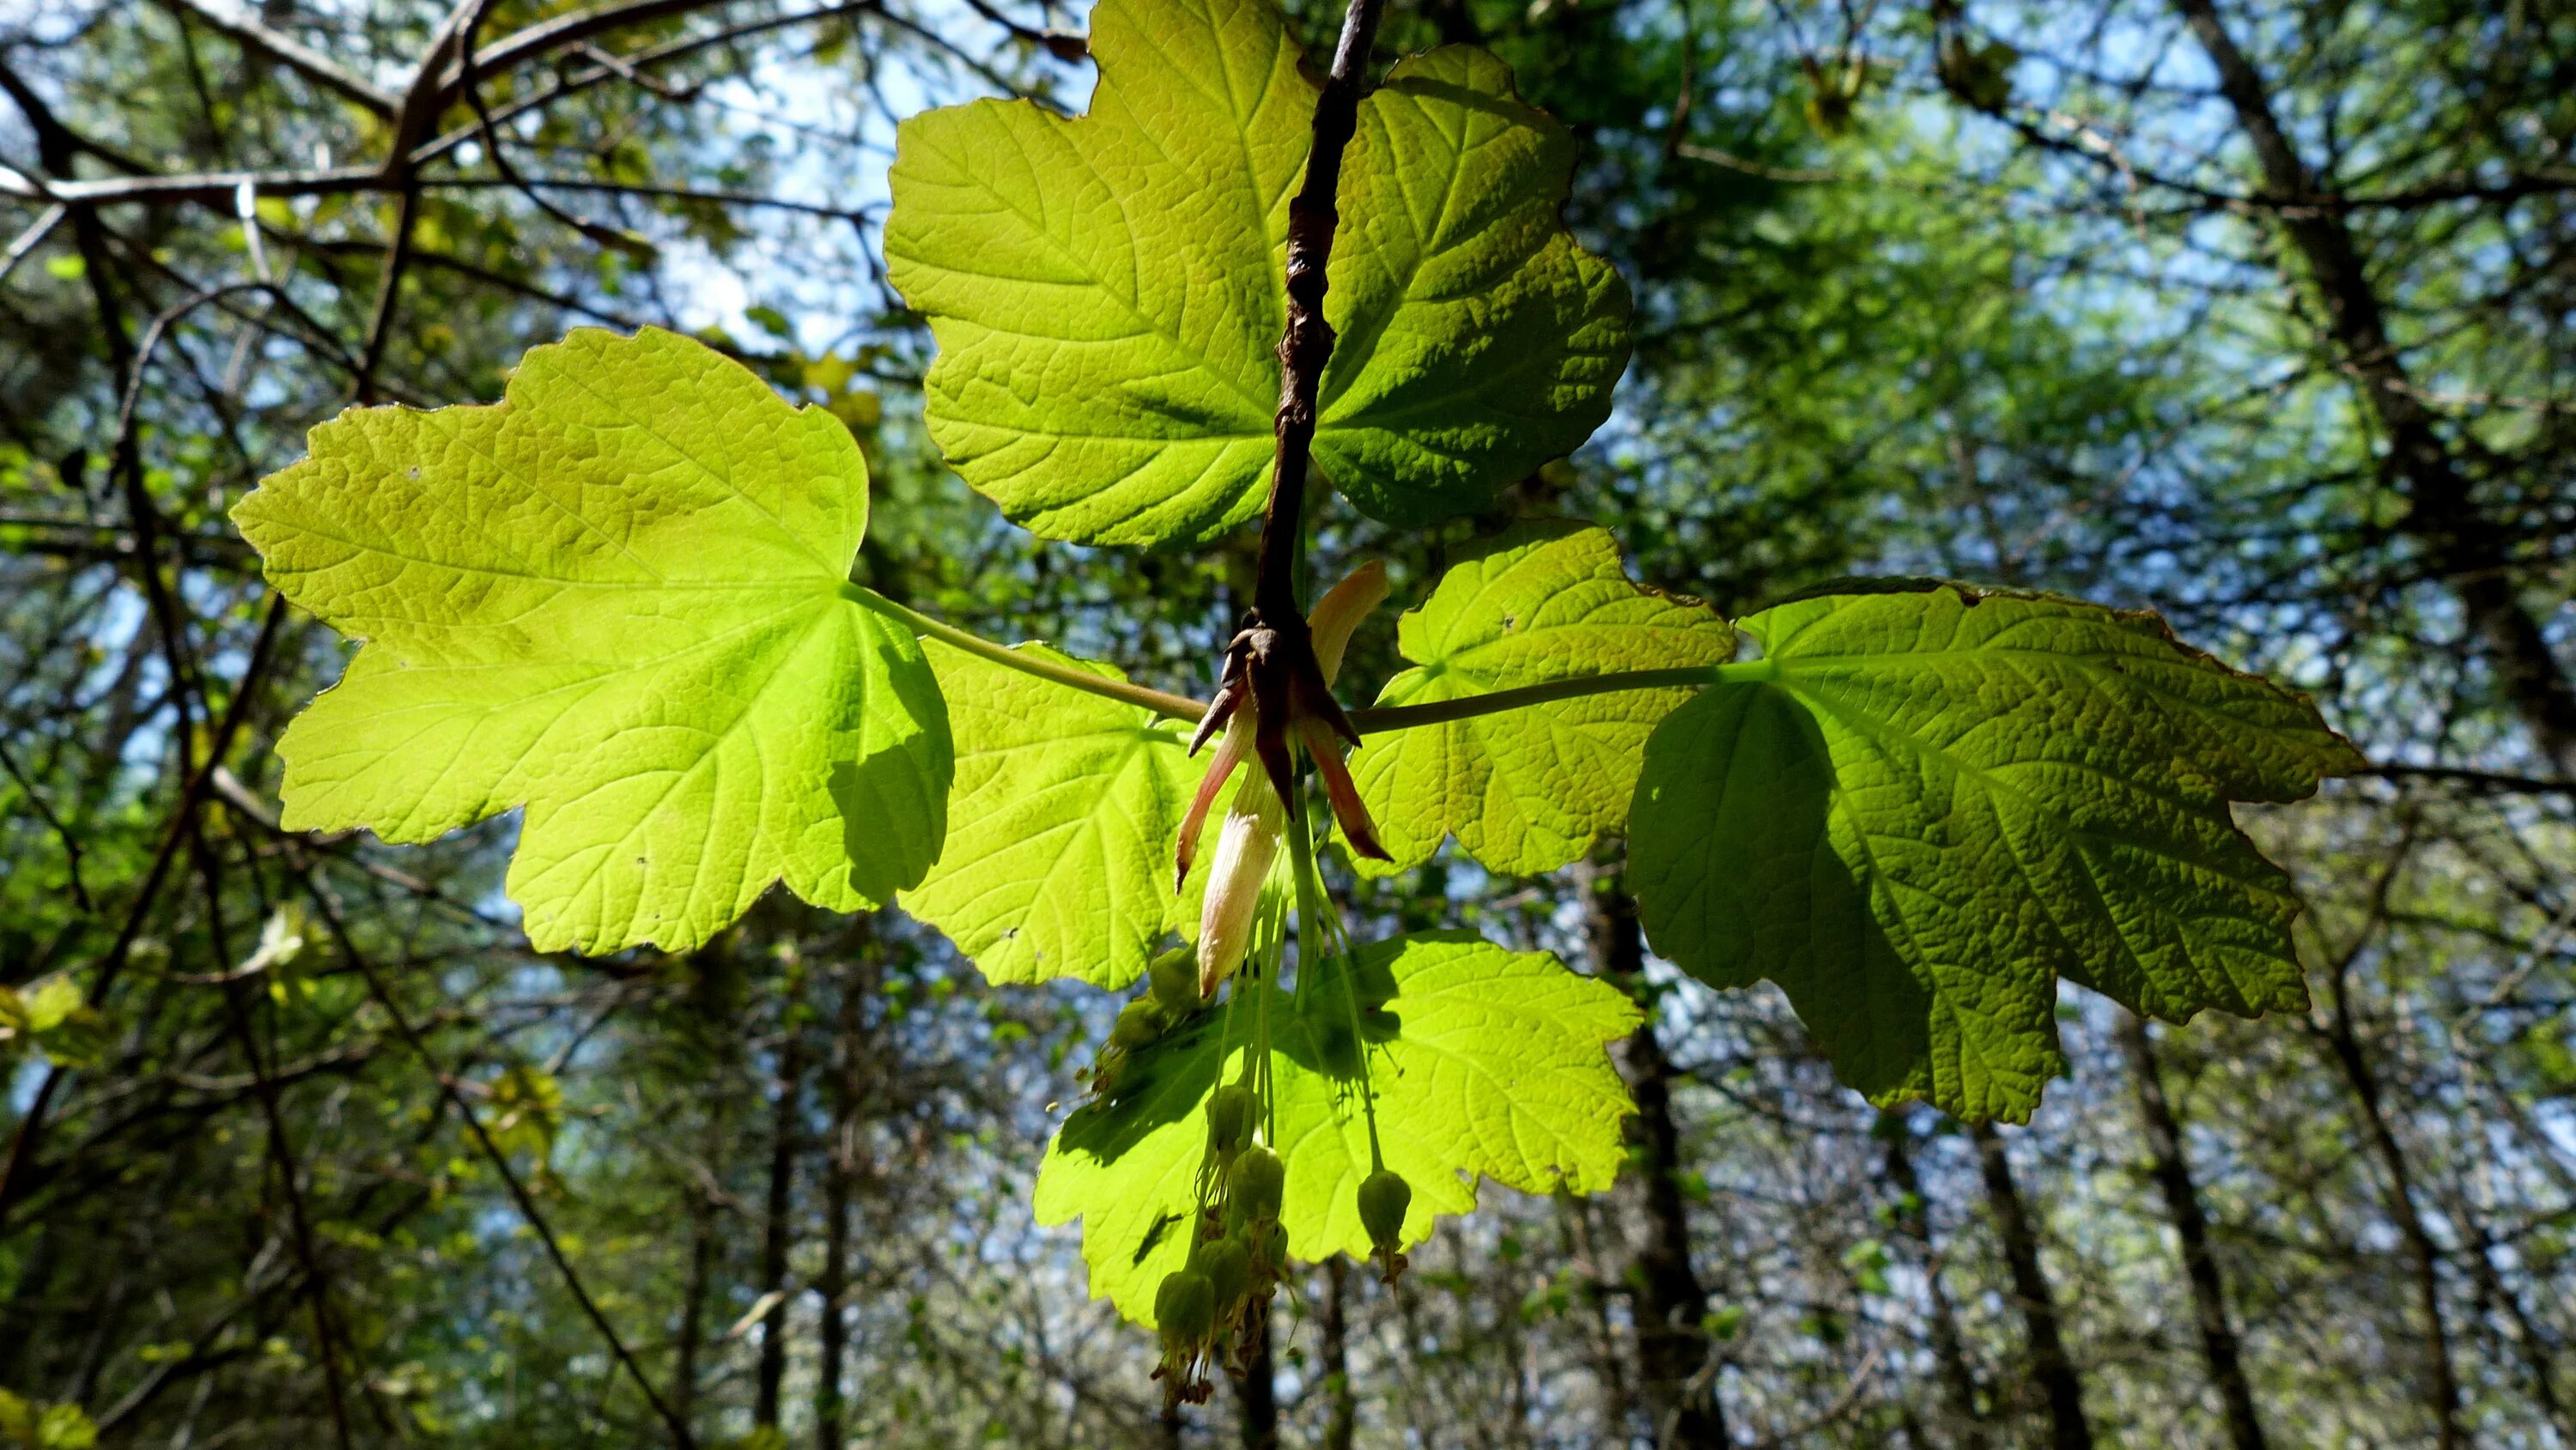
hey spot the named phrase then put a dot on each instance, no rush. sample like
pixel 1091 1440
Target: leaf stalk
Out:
pixel 1375 721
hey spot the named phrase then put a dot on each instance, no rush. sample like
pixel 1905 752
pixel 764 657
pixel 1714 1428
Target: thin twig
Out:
pixel 31 1126
pixel 518 1189
pixel 32 238
pixel 293 54
pixel 63 833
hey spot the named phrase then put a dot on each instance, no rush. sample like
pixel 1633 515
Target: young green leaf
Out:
pixel 1060 825
pixel 1108 292
pixel 1527 790
pixel 620 599
pixel 1484 1062
pixel 1924 805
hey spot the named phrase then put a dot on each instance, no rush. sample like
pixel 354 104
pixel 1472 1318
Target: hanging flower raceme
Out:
pixel 1272 705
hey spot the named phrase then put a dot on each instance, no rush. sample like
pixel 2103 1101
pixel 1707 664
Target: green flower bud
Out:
pixel 1175 979
pixel 1227 1262
pixel 1139 1024
pixel 1229 1114
pixel 1185 1309
pixel 1384 1199
pixel 1254 1183
pixel 1269 1247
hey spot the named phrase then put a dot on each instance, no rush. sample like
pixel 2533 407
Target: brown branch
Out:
pixel 218 188
pixel 63 833
pixel 281 1152
pixel 535 1218
pixel 2054 1377
pixel 552 35
pixel 2169 1163
pixel 2484 782
pixel 558 86
pixel 1306 344
pixel 428 96
pixel 1270 667
pixel 31 1127
pixel 2444 514
pixel 495 147
pixel 32 238
pixel 291 53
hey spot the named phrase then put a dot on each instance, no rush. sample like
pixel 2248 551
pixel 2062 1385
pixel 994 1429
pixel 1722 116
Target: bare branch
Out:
pixel 291 53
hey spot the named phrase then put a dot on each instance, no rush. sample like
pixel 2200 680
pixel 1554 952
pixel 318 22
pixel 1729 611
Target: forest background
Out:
pixel 2256 314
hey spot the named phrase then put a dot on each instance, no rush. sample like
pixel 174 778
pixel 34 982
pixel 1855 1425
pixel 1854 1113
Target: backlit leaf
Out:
pixel 620 599
pixel 1107 292
pixel 1060 825
pixel 1924 805
pixel 1527 790
pixel 1486 1063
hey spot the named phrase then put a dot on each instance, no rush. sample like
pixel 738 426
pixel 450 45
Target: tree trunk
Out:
pixel 2172 1170
pixel 2050 1368
pixel 1582 1246
pixel 1949 1350
pixel 2344 1041
pixel 831 1289
pixel 1676 1369
pixel 1257 1392
pixel 1341 1405
pixel 2470 550
pixel 777 1228
pixel 693 1298
pixel 850 1059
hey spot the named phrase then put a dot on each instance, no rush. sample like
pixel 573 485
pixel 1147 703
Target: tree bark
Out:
pixel 1341 1405
pixel 777 1229
pixel 1959 1388
pixel 850 1058
pixel 1676 1369
pixel 2470 550
pixel 691 1339
pixel 2050 1368
pixel 2343 1040
pixel 2171 1166
pixel 1257 1392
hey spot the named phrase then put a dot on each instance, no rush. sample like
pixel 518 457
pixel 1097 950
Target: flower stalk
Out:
pixel 1272 717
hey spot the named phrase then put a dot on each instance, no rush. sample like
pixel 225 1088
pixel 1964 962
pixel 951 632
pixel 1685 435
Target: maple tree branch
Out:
pixel 251 35
pixel 535 1218
pixel 1376 721
pixel 1307 343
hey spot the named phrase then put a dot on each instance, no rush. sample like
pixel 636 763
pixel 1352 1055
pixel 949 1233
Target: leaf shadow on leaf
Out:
pixel 1157 1086
pixel 1506 107
pixel 1171 1078
pixel 1370 978
pixel 895 783
pixel 1766 779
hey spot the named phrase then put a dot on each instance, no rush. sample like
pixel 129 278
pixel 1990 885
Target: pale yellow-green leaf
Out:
pixel 1108 291
pixel 1061 824
pixel 620 599
pixel 1527 790
pixel 1486 1063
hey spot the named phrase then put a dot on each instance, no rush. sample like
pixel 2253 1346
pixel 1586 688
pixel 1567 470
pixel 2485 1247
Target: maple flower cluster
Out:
pixel 1270 709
